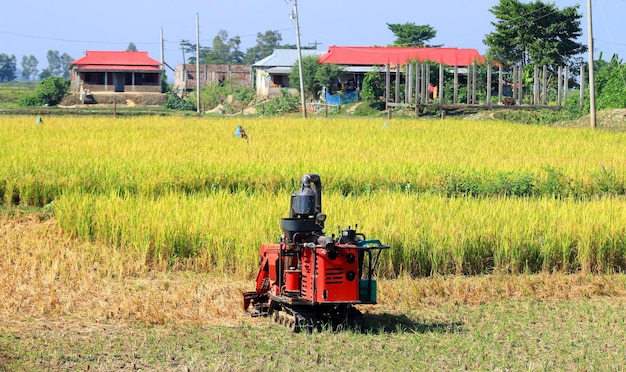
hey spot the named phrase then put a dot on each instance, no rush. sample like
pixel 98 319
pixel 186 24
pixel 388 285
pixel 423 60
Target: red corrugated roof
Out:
pixel 117 60
pixel 400 55
pixel 118 68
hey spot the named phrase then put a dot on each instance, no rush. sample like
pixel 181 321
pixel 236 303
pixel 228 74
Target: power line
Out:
pixel 71 40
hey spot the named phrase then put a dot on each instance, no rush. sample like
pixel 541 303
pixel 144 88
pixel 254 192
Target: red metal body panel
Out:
pixel 336 278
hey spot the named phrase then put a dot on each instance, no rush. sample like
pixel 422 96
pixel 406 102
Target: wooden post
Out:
pixel 455 94
pixel 582 85
pixel 325 111
pixel 536 85
pixel 474 78
pixel 500 82
pixel 387 84
pixel 544 88
pixel 469 84
pixel 440 85
pixel 424 92
pixel 520 91
pixel 514 82
pixel 559 86
pixel 566 84
pixel 115 106
pixel 418 96
pixel 488 85
pixel 389 114
pixel 474 83
pixel 408 87
pixel 427 82
pixel 397 97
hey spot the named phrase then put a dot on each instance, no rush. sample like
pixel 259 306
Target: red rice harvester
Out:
pixel 309 279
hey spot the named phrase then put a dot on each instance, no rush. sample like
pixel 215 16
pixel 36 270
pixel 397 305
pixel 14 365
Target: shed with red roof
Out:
pixel 115 71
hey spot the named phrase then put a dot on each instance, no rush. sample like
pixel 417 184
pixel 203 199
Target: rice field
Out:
pixel 450 197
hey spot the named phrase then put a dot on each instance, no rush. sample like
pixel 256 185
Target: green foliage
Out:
pixel 49 92
pixel 372 86
pixel 315 74
pixel 309 67
pixel 327 74
pixel 534 33
pixel 265 45
pixel 215 94
pixel 7 67
pixel 29 67
pixel 175 102
pixel 224 50
pixel 611 84
pixel 411 35
pixel 369 108
pixel 283 104
pixel 539 117
pixel 58 65
pixel 30 100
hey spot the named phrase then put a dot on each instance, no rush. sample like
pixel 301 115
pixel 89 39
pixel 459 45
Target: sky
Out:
pixel 34 27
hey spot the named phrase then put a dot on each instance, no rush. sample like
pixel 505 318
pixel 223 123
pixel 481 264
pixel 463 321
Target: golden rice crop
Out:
pixel 157 154
pixel 449 196
pixel 429 234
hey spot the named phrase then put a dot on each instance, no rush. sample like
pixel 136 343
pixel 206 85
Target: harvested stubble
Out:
pixel 51 280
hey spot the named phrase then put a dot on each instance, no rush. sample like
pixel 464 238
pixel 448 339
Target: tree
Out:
pixel 410 34
pixel 29 67
pixel 219 53
pixel 315 75
pixel 224 50
pixel 236 55
pixel 58 65
pixel 188 47
pixel 131 47
pixel 534 33
pixel 265 45
pixel 8 67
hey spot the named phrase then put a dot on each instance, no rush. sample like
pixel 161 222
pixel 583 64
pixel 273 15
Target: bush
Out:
pixel 174 102
pixel 369 108
pixel 280 105
pixel 50 92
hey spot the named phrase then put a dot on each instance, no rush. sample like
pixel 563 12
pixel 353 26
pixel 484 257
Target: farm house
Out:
pixel 114 71
pixel 272 72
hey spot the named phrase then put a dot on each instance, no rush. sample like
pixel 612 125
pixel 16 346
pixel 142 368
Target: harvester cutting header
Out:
pixel 309 279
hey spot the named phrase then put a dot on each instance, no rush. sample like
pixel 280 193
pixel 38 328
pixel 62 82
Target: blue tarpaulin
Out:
pixel 342 98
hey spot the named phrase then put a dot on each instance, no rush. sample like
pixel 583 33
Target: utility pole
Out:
pixel 315 44
pixel 162 50
pixel 592 87
pixel 197 63
pixel 302 99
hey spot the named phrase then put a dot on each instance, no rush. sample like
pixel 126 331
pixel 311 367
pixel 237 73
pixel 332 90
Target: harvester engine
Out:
pixel 309 279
